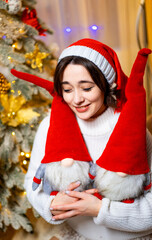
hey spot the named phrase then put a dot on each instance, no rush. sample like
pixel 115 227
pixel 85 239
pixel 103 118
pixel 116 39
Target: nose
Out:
pixel 78 97
pixel 67 162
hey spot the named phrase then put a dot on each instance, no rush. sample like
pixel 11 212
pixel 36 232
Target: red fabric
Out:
pixel 91 176
pixel 36 180
pixel 98 195
pixel 126 148
pixel 128 201
pixel 48 85
pixel 64 139
pixel 53 193
pixel 148 187
pixel 30 18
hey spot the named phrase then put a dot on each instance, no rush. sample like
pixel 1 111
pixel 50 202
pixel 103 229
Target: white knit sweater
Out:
pixel 115 220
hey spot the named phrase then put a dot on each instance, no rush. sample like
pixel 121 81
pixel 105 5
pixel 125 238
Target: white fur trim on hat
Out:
pixel 94 56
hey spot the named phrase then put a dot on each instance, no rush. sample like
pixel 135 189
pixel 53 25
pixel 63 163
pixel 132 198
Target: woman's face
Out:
pixel 81 93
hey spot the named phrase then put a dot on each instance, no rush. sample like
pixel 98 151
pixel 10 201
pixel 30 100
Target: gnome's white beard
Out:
pixel 60 177
pixel 115 187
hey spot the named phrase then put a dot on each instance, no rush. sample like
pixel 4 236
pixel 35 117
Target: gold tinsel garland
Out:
pixel 35 58
pixel 15 112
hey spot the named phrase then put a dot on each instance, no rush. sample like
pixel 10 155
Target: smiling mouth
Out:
pixel 82 108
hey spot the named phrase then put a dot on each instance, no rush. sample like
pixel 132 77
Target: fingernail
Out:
pixel 53 219
pixel 67 192
pixel 51 208
pixel 78 182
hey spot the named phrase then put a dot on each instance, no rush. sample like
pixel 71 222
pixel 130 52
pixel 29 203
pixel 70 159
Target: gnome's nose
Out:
pixel 121 174
pixel 67 162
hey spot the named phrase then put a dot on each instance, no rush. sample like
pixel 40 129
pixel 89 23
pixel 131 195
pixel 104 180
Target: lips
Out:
pixel 82 109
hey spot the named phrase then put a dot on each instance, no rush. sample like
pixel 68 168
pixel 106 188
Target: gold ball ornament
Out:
pixel 4 85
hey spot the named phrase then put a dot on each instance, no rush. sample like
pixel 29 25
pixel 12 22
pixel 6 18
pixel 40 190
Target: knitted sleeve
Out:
pixel 134 217
pixel 38 199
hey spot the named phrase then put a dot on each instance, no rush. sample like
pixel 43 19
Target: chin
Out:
pixel 83 117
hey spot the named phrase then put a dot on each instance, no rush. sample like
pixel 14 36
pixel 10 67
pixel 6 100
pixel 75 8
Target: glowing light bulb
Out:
pixel 24 162
pixel 94 27
pixel 27 155
pixel 68 29
pixel 22 153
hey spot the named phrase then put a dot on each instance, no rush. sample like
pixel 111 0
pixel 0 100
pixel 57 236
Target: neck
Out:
pixel 99 112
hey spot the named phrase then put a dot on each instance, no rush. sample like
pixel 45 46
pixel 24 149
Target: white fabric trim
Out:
pixel 94 56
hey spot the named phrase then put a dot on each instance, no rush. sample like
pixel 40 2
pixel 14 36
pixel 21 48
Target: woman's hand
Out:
pixel 85 205
pixel 62 198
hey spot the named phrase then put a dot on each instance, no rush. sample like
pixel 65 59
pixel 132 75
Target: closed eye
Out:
pixel 67 90
pixel 87 89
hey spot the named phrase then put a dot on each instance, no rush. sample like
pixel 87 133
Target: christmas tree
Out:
pixel 22 104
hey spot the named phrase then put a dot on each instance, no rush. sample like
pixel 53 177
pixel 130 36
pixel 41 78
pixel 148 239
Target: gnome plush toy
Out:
pixel 120 171
pixel 60 166
pixel 58 175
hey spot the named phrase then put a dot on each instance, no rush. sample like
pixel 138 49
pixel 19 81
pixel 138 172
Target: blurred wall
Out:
pixel 116 20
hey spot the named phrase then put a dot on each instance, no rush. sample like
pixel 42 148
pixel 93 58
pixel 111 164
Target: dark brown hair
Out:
pixel 95 73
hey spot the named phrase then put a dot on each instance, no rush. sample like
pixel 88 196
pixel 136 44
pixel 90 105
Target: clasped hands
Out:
pixel 72 203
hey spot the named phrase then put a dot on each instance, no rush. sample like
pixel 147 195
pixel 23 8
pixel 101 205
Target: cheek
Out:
pixel 67 98
pixel 97 97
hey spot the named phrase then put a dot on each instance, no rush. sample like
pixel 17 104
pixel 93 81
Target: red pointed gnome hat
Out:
pixel 64 139
pixel 126 148
pixel 48 85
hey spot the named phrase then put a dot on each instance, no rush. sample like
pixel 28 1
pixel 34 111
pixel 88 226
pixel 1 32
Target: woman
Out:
pixel 89 79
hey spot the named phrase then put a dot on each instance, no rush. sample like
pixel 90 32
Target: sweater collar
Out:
pixel 101 125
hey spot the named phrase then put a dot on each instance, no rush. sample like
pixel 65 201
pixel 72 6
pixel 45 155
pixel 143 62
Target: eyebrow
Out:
pixel 80 82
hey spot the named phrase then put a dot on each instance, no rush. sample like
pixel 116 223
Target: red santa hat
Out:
pixel 126 148
pixel 104 58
